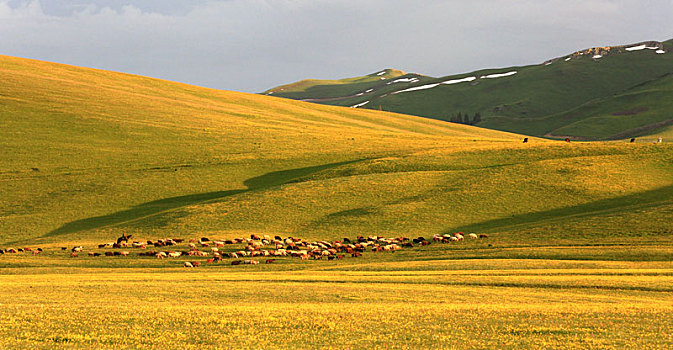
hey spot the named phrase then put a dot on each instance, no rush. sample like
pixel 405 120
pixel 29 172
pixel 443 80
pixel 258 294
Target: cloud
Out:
pixel 256 44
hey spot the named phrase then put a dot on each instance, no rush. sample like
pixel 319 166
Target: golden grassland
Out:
pixel 578 255
pixel 506 303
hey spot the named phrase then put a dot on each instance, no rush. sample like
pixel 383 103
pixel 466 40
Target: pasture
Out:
pixel 428 297
pixel 578 253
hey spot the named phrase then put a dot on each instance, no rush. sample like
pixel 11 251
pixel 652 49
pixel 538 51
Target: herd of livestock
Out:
pixel 265 247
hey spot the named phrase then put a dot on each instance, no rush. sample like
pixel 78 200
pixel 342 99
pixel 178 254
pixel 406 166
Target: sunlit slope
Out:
pixel 90 154
pixel 328 89
pixel 539 99
pixel 80 143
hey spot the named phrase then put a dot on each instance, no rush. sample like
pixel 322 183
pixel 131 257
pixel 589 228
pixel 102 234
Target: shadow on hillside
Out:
pixel 642 200
pixel 160 206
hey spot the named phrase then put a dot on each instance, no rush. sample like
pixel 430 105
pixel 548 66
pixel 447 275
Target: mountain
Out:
pixel 592 94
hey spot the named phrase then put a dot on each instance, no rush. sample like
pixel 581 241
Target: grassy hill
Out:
pixel 85 149
pixel 541 100
pixel 578 254
pixel 91 153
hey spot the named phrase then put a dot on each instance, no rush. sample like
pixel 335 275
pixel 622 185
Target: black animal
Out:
pixel 124 238
pixel 633 139
pixel 525 140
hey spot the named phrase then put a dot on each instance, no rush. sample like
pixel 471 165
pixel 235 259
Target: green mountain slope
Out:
pixel 88 154
pixel 537 99
pixel 327 89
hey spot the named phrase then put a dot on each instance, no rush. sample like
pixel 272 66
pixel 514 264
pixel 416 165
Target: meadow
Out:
pixel 380 301
pixel 578 254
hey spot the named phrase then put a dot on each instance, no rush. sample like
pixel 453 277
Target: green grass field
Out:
pixel 578 256
pixel 620 95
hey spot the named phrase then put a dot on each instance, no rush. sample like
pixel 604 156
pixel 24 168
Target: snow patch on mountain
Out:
pixel 499 75
pixel 636 48
pixel 359 104
pixel 456 81
pixel 416 88
pixel 403 80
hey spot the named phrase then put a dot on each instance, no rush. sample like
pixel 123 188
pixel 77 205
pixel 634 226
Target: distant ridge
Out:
pixel 581 95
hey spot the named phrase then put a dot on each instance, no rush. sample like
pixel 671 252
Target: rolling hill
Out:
pixel 592 94
pixel 578 252
pixel 88 154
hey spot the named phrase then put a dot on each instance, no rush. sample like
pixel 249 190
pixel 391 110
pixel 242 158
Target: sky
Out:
pixel 254 45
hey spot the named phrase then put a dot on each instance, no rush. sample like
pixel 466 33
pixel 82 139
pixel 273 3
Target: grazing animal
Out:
pixel 525 140
pixel 483 236
pixel 356 254
pixel 124 238
pixel 77 249
pixel 473 236
pixel 236 262
pixel 269 261
pixel 633 139
pixel 73 255
pixel 188 264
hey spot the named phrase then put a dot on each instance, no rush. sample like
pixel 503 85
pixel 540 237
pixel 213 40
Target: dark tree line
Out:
pixel 465 119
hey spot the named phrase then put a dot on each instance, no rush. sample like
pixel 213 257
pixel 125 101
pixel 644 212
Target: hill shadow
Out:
pixel 641 200
pixel 148 209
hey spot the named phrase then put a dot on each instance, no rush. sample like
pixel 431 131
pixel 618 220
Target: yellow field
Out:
pixel 464 304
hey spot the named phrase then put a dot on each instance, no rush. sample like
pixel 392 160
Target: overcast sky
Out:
pixel 252 45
